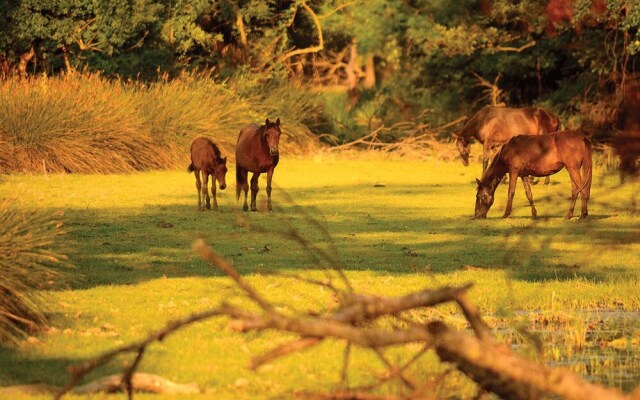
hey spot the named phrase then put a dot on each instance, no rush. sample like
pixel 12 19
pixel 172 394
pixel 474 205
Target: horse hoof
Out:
pixel 506 216
pixel 245 208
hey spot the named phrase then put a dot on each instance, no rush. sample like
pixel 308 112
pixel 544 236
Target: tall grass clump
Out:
pixel 182 109
pixel 28 253
pixel 77 123
pixel 87 123
pixel 299 108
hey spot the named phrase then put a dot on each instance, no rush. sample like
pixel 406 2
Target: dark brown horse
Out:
pixel 206 160
pixel 257 152
pixel 494 126
pixel 525 156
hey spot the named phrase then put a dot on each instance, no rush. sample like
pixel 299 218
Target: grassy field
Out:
pixel 396 225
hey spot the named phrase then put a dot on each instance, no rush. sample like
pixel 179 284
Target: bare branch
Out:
pixel 214 258
pixel 339 8
pixel 516 49
pixel 282 350
pixel 79 371
pixel 312 49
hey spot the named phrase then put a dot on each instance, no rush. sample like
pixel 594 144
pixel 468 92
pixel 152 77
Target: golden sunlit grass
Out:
pixel 89 124
pixel 397 225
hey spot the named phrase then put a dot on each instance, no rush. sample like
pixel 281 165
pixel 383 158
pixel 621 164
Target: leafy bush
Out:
pixel 27 253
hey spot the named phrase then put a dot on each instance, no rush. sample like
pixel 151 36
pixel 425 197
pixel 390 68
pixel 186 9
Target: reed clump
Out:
pixel 86 123
pixel 30 257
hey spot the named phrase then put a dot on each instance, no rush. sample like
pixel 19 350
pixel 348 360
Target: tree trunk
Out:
pixel 24 61
pixel 351 69
pixel 369 72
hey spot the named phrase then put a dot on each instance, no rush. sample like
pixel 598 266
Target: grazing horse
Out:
pixel 494 126
pixel 206 160
pixel 257 152
pixel 542 155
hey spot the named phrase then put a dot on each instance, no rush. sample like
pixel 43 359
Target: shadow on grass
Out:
pixel 16 365
pixel 124 247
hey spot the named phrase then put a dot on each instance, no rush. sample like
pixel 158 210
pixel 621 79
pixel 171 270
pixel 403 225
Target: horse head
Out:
pixel 484 200
pixel 272 133
pixel 221 172
pixel 464 147
pixel 547 121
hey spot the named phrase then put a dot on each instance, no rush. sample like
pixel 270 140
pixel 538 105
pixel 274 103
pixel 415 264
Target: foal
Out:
pixel 206 160
pixel 538 156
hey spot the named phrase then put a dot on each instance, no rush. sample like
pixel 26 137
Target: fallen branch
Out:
pixel 140 382
pixel 77 372
pixel 493 366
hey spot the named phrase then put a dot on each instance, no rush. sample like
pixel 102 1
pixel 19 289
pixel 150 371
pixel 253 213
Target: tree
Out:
pixel 64 33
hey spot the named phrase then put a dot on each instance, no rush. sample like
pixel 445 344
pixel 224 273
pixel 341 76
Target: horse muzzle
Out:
pixel 273 152
pixel 223 186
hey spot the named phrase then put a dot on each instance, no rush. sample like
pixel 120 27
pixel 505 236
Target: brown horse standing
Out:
pixel 542 155
pixel 257 152
pixel 494 126
pixel 207 160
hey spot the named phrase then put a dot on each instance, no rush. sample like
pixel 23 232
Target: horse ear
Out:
pixel 478 180
pixel 278 121
pixel 267 122
pixel 224 160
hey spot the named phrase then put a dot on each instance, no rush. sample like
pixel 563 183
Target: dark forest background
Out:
pixel 375 62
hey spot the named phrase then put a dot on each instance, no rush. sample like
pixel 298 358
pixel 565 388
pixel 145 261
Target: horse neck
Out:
pixel 262 139
pixel 494 173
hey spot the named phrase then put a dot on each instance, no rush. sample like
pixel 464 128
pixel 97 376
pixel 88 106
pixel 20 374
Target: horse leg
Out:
pixel 196 172
pixel 513 178
pixel 244 186
pixel 547 180
pixel 526 181
pixel 576 183
pixel 269 177
pixel 254 190
pixel 584 197
pixel 205 189
pixel 213 192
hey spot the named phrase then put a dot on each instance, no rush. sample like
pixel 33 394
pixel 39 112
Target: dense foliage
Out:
pixel 425 60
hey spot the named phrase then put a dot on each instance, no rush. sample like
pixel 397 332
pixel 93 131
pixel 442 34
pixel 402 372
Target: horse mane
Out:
pixel 492 166
pixel 214 147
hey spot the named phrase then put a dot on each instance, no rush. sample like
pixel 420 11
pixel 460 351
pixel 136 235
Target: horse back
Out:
pixel 204 153
pixel 496 125
pixel 542 155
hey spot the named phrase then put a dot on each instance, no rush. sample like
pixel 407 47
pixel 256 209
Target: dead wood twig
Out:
pixel 79 371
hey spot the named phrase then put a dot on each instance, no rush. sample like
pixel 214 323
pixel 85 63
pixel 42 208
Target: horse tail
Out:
pixel 587 165
pixel 240 182
pixel 191 167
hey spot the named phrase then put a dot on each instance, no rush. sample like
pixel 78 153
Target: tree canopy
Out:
pixel 418 54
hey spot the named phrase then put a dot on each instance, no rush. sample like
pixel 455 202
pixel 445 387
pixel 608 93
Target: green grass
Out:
pixel 397 226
